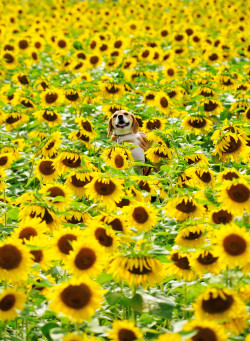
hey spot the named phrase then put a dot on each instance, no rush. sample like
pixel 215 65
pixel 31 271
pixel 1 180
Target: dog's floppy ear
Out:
pixel 110 127
pixel 135 125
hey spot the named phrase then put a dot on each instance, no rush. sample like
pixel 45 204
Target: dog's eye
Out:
pixel 115 116
pixel 125 113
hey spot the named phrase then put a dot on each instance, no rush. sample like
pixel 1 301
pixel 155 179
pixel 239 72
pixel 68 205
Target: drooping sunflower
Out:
pixel 212 106
pixel 191 235
pixel 221 216
pixel 180 266
pixel 159 153
pixel 11 301
pixel 232 245
pixel 77 180
pixel 50 148
pixel 51 117
pixel 205 260
pixel 73 97
pixel 137 270
pixel 77 299
pixel 79 135
pixel 118 223
pixel 236 195
pixel 14 120
pixel 200 177
pixel 230 147
pixel 205 330
pixel 197 124
pixel 124 331
pixel 21 79
pixel 184 207
pixel 45 170
pixel 15 260
pixel 154 123
pixel 218 304
pixel 86 125
pixel 104 190
pixel 68 160
pixel 86 258
pixel 197 158
pixel 228 175
pixel 75 217
pixel 51 97
pixel 53 190
pixel 141 216
pixel 112 91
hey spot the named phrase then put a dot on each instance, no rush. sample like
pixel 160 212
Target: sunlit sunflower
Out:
pixel 76 299
pixel 162 102
pixel 11 301
pixel 104 190
pixel 39 250
pixel 191 236
pixel 54 190
pixel 80 135
pixel 77 180
pixel 212 107
pixel 86 258
pixel 119 158
pixel 51 97
pixel 67 160
pixel 229 174
pixel 14 120
pixel 184 207
pixel 112 91
pixel 199 125
pixel 205 260
pixel 200 177
pixel 50 147
pixel 73 97
pixel 51 117
pixel 235 195
pixel 149 97
pixel 230 147
pixel 30 228
pixel 94 60
pixel 141 216
pixel 9 59
pixel 205 330
pixel 45 170
pixel 137 270
pixel 232 245
pixel 180 266
pixel 21 79
pixel 197 158
pixel 118 223
pixel 124 331
pixel 154 123
pixel 86 125
pixel 129 63
pixel 221 216
pixel 103 234
pixel 75 217
pixel 6 160
pixel 205 91
pixel 218 304
pixel 159 153
pixel 15 260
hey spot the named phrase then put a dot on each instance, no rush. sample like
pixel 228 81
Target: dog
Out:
pixel 125 127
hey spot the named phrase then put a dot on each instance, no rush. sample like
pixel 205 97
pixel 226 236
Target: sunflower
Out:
pixel 236 195
pixel 94 60
pixel 129 63
pixel 232 245
pixel 111 91
pixel 218 304
pixel 14 120
pixel 51 97
pixel 124 331
pixel 15 260
pixel 169 72
pixel 149 97
pixel 11 300
pixel 68 160
pixel 9 60
pixel 29 228
pixel 180 266
pixel 75 217
pixel 228 175
pixel 51 117
pixel 212 106
pixel 162 102
pixel 184 207
pixel 104 190
pixel 197 124
pixel 86 125
pixel 118 223
pixel 103 234
pixel 77 299
pixel 205 260
pixel 6 160
pixel 119 158
pixel 21 79
pixel 72 337
pixel 199 177
pixel 141 216
pixel 37 137
pixel 230 147
pixel 137 270
pixel 52 191
pixel 45 170
pixel 154 123
pixel 221 216
pixel 80 136
pixel 77 180
pixel 50 148
pixel 191 236
pixel 205 330
pixel 39 252
pixel 159 153
pixel 169 337
pixel 72 97
pixel 86 259
pixel 21 99
pixel 197 158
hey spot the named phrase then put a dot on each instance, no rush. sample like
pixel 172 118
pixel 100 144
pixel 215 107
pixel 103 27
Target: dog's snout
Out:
pixel 120 116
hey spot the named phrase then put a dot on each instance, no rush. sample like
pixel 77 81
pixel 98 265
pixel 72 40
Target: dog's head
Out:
pixel 122 122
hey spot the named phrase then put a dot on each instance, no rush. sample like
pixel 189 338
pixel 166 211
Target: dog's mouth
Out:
pixel 122 125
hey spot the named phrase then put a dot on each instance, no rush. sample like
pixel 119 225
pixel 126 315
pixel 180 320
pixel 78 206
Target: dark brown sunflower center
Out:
pixel 7 302
pixel 186 206
pixel 86 126
pixel 119 161
pixel 112 89
pixel 61 43
pixel 160 154
pixel 181 262
pixel 47 217
pixel 55 192
pixel 46 167
pixel 74 220
pixel 104 189
pixel 76 296
pixel 103 47
pixel 27 233
pixel 81 55
pixel 27 103
pixel 51 98
pixel 9 58
pixel 204 334
pixel 80 183
pixel 164 33
pixel 103 238
pixel 197 123
pixel 210 106
pixel 172 94
pixel 23 79
pixel 228 82
pixel 164 102
pixel 155 124
pixel 50 145
pixel 49 116
pixel 234 244
pixel 217 305
pixel 193 235
pixel 213 57
pixel 37 255
pixel 64 243
pixel 72 96
pixel 205 177
pixel 126 335
pixel 179 37
pixel 11 119
pixel 38 45
pixel 10 257
pixel 144 186
pixel 82 137
pixel 72 163
pixel 145 54
pixel 123 202
pixel 94 60
pixel 140 215
pixel 116 225
pixel 238 193
pixel 195 160
pixel 150 97
pixel 118 44
pixel 230 176
pixel 232 146
pixel 222 217
pixel 138 270
pixel 85 258
pixel 3 160
pixel 207 259
pixel 23 44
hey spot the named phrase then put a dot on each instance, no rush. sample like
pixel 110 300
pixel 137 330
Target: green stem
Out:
pixel 185 301
pixel 27 330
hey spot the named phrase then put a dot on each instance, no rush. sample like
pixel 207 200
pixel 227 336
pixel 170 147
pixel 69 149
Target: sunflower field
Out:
pixel 90 249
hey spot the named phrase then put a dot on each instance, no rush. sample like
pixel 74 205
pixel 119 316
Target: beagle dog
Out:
pixel 125 127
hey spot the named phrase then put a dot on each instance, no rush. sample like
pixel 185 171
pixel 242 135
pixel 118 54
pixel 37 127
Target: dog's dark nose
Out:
pixel 120 116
